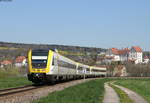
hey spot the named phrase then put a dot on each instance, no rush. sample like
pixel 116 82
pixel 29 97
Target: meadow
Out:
pixel 89 92
pixel 11 82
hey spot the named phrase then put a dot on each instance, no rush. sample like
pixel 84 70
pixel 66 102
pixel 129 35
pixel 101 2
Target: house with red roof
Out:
pixel 112 54
pixel 136 54
pixel 6 63
pixel 120 71
pixel 118 54
pixel 20 61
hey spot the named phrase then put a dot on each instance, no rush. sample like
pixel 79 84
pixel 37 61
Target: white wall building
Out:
pixel 146 60
pixel 118 55
pixel 20 61
pixel 136 54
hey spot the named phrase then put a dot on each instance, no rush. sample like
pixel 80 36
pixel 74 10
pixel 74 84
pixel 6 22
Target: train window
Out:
pixel 95 70
pixel 88 69
pixel 103 70
pixel 42 63
pixel 39 62
pixel 80 68
pixel 53 61
pixel 40 52
pixel 65 64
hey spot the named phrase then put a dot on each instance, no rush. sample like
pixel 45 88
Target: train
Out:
pixel 48 66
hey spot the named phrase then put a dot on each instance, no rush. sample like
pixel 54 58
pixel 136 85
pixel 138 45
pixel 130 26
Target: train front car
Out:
pixel 39 65
pixel 49 66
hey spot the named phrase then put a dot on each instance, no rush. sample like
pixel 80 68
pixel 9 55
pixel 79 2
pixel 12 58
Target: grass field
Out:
pixel 13 82
pixel 89 92
pixel 8 73
pixel 141 86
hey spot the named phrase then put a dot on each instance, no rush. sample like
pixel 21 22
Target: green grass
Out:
pixel 89 92
pixel 141 86
pixel 124 98
pixel 8 73
pixel 13 82
pixel 12 71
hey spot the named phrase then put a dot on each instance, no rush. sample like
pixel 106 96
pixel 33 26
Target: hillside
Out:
pixel 47 46
pixel 81 54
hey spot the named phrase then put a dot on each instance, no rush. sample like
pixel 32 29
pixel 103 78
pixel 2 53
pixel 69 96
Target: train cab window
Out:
pixel 42 63
pixel 39 58
pixel 40 53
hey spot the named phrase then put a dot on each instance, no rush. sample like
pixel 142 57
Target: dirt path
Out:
pixel 134 96
pixel 110 95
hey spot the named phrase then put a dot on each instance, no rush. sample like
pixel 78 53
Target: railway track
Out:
pixel 21 89
pixel 26 94
pixel 26 88
pixel 11 91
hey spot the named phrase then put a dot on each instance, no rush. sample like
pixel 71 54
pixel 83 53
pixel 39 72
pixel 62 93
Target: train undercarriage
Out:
pixel 43 78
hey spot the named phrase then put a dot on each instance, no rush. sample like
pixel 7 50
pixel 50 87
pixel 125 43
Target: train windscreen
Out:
pixel 39 58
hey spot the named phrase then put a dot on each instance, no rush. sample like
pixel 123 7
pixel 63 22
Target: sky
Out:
pixel 90 23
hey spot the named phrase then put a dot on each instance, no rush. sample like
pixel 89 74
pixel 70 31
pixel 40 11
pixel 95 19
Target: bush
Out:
pixel 10 71
pixel 138 69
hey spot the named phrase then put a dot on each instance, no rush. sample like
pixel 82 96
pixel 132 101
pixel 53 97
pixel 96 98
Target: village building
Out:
pixel 6 63
pixel 134 54
pixel 117 55
pixel 20 61
pixel 145 59
pixel 108 59
pixel 120 71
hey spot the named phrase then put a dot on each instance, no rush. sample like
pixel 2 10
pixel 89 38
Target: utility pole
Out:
pixel 84 72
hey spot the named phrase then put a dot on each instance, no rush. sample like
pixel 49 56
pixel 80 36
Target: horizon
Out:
pixel 100 24
pixel 75 45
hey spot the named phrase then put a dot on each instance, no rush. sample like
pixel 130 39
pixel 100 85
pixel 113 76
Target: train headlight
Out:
pixel 37 75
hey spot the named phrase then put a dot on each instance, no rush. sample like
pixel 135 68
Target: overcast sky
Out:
pixel 96 23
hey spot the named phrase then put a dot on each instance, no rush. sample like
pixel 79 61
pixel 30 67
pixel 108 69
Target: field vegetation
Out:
pixel 141 86
pixel 89 92
pixel 11 82
pixel 138 70
pixel 7 48
pixel 12 71
pixel 11 76
pixel 133 70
